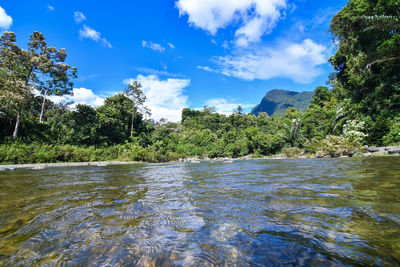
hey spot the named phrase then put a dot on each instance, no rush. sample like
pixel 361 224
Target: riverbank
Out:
pixel 39 166
pixel 363 152
pixel 296 153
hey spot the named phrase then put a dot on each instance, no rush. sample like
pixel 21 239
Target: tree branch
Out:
pixel 379 61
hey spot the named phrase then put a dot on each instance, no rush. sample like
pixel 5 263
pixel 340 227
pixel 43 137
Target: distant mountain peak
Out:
pixel 279 100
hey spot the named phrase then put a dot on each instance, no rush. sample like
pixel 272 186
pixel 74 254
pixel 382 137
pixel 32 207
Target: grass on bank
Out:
pixel 20 153
pixel 42 153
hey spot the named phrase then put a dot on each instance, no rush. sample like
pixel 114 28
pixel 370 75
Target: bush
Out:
pixel 354 131
pixel 273 144
pixel 312 146
pixel 331 144
pixel 217 149
pixel 292 151
pixel 393 137
pixel 39 153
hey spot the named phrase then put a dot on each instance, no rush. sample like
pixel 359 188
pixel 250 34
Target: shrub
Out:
pixel 292 151
pixel 393 137
pixel 331 144
pixel 354 131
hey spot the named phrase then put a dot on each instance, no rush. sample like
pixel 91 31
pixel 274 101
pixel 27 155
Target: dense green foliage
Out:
pixel 367 64
pixel 88 134
pixel 362 107
pixel 278 101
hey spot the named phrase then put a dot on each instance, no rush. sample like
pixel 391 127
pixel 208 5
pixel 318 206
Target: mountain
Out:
pixel 278 101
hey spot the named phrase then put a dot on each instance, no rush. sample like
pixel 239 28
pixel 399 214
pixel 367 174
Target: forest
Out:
pixel 360 105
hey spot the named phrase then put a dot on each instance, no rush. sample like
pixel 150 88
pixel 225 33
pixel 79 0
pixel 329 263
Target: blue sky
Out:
pixel 186 53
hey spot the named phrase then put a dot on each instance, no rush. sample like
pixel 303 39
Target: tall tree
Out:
pixel 53 76
pixel 82 123
pixel 16 77
pixel 135 93
pixel 115 119
pixel 321 95
pixel 239 110
pixel 367 61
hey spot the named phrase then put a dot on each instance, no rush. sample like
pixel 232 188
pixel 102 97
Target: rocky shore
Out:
pixel 363 152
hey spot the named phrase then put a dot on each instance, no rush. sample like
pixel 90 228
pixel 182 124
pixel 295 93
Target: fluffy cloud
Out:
pixel 79 17
pixel 165 98
pixel 296 61
pixel 254 17
pixel 87 32
pixel 80 96
pixel 153 46
pixel 90 33
pixel 86 96
pixel 5 20
pixel 224 107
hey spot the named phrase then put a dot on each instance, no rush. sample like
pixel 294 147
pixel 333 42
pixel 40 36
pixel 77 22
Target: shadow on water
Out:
pixel 248 213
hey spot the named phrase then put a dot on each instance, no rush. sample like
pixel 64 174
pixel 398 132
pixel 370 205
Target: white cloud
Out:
pixel 86 96
pixel 50 8
pixel 171 45
pixel 254 17
pixel 106 43
pixel 153 46
pixel 79 17
pixel 80 96
pixel 225 45
pixel 157 72
pixel 5 20
pixel 206 68
pixel 87 32
pixel 165 98
pixel 90 33
pixel 296 61
pixel 224 107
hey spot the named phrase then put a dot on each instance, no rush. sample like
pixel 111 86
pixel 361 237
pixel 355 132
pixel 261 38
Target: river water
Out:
pixel 308 212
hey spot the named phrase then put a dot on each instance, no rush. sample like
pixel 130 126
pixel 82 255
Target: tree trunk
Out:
pixel 15 133
pixel 133 120
pixel 43 103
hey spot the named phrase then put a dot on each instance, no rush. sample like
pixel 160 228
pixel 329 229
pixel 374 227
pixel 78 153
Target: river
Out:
pixel 308 212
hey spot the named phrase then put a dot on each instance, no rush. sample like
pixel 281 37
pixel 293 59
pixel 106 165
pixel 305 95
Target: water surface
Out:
pixel 308 212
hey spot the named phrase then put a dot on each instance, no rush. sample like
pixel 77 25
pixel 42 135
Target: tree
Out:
pixel 115 118
pixel 209 110
pixel 367 59
pixel 15 77
pixel 56 114
pixel 239 110
pixel 318 121
pixel 82 123
pixel 321 96
pixel 22 71
pixel 367 62
pixel 134 92
pixel 53 76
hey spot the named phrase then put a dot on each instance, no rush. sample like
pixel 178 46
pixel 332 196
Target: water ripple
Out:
pixel 307 212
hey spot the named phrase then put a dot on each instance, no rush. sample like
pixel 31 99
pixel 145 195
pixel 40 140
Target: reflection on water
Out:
pixel 259 213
